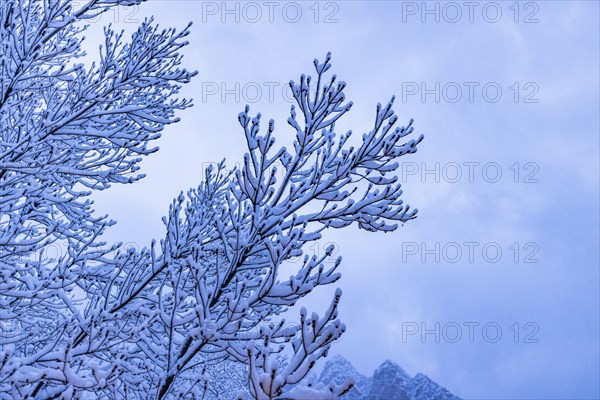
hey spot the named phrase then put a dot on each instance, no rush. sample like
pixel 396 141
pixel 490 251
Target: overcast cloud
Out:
pixel 504 252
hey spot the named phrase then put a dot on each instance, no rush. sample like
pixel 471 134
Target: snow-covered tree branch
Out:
pixel 118 323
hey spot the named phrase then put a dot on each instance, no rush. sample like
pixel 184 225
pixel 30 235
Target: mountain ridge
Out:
pixel 388 382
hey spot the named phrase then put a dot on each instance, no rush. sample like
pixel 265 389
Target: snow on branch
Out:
pixel 99 320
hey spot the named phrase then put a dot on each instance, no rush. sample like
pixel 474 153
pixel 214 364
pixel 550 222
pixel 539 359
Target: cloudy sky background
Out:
pixel 541 133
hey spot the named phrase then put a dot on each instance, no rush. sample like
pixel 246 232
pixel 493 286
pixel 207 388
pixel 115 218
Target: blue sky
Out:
pixel 507 95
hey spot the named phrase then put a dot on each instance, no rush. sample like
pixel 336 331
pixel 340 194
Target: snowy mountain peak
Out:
pixel 422 378
pixel 390 368
pixel 389 382
pixel 338 361
pixel 338 366
pixel 423 388
pixel 338 369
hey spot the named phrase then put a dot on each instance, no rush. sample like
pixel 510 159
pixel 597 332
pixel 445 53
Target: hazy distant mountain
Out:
pixel 389 382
